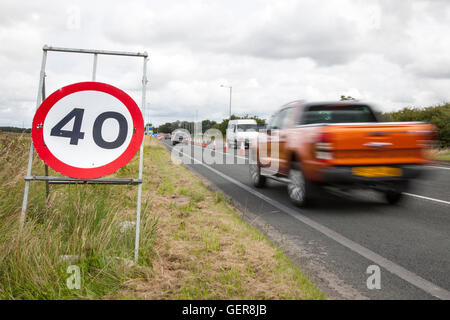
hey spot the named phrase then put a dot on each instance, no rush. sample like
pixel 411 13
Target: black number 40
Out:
pixel 75 134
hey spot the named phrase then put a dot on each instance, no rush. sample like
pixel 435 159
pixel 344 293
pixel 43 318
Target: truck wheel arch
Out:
pixel 294 160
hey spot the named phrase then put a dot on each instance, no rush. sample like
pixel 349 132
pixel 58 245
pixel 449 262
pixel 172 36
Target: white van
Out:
pixel 242 130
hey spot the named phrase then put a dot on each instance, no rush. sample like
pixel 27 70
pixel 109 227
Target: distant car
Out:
pixel 178 137
pixel 167 136
pixel 241 131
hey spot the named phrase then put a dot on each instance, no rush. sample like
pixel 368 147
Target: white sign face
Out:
pixel 87 130
pixel 103 139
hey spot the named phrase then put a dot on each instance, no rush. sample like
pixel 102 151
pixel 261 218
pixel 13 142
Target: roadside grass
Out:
pixel 81 221
pixel 194 244
pixel 439 154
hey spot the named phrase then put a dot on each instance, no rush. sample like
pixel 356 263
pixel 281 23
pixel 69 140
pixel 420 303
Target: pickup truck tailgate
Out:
pixel 378 143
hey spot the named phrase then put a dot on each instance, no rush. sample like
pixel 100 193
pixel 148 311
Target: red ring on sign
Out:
pixel 37 132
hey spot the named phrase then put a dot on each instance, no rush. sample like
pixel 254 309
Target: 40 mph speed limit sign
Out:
pixel 87 130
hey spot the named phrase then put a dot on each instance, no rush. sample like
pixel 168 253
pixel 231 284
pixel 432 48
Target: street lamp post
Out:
pixel 231 89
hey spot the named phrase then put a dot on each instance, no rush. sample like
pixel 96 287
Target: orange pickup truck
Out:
pixel 340 144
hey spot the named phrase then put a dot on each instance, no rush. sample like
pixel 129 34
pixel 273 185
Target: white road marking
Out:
pixel 437 167
pixel 426 198
pixel 391 266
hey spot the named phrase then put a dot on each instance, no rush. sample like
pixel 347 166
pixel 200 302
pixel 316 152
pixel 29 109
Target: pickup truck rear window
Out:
pixel 338 114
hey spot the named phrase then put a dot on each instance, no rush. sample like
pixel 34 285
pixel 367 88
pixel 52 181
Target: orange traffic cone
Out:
pixel 225 147
pixel 242 151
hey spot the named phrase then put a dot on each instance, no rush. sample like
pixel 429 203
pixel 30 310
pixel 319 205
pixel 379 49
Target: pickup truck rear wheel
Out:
pixel 394 194
pixel 299 188
pixel 393 197
pixel 258 180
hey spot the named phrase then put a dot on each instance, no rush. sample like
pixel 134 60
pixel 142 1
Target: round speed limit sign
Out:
pixel 87 130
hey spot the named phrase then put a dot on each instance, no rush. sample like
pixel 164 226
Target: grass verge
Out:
pixel 440 154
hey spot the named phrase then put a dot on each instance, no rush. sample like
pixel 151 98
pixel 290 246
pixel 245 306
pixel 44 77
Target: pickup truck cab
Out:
pixel 342 144
pixel 241 131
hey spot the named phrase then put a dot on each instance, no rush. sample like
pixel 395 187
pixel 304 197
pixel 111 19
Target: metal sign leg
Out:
pixel 30 158
pixel 47 185
pixel 94 69
pixel 141 158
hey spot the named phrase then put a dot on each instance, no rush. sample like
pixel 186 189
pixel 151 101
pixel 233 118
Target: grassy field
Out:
pixel 194 244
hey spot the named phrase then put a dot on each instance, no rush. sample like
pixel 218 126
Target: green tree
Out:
pixel 208 124
pixel 438 115
pixel 14 129
pixel 188 125
pixel 169 127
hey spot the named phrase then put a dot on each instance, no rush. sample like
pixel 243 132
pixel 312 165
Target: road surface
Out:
pixel 336 240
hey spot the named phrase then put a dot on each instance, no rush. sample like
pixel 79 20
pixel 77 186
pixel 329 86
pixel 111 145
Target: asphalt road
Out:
pixel 337 239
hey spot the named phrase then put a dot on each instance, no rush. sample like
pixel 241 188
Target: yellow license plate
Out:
pixel 377 171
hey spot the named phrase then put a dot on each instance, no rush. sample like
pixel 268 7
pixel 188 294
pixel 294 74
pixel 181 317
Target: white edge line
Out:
pixel 425 198
pixel 437 167
pixel 392 267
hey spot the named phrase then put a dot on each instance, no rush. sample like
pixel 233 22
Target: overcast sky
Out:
pixel 392 53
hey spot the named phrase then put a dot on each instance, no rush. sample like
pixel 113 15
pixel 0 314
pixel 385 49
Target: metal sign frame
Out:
pixel 66 180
